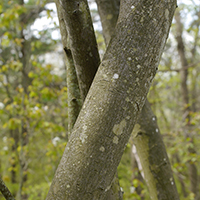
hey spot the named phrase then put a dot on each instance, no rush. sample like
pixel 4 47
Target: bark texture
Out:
pixel 153 157
pixel 74 99
pixel 108 11
pixel 76 16
pixel 73 92
pixel 118 93
pixel 111 8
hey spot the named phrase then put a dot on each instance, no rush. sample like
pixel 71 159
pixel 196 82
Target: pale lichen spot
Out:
pixel 109 16
pixel 118 128
pixel 84 127
pixel 102 148
pixel 129 58
pixel 105 76
pixel 153 118
pixel 128 117
pixel 83 137
pixel 68 186
pixel 137 79
pixel 124 108
pixel 127 99
pixel 132 7
pixel 115 76
pixel 156 130
pixel 138 66
pixel 167 14
pixel 115 140
pixel 172 183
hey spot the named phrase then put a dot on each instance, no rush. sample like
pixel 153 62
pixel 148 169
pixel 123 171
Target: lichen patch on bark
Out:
pixel 115 140
pixel 118 128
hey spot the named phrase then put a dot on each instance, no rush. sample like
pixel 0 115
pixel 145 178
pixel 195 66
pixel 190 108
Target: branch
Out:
pixel 181 69
pixel 32 14
pixel 83 45
pixel 5 191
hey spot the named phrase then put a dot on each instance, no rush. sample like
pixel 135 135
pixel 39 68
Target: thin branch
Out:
pixel 83 44
pixel 5 191
pixel 181 69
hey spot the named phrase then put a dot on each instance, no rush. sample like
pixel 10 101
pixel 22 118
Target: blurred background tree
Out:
pixel 33 98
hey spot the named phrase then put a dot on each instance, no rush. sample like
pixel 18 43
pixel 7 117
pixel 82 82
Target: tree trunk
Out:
pixel 79 26
pixel 74 99
pixel 73 92
pixel 109 12
pixel 118 93
pixel 193 172
pixel 153 157
pixel 111 8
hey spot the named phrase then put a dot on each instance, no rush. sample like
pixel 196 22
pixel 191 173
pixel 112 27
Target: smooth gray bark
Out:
pixel 118 93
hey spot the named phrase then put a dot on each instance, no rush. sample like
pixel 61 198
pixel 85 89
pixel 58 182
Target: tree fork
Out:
pixel 114 101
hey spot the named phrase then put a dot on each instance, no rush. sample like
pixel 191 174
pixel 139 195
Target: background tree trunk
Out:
pixel 153 157
pixel 193 172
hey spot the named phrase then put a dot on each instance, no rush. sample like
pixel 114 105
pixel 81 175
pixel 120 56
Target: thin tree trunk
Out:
pixel 115 99
pixel 136 175
pixel 109 12
pixel 153 157
pixel 79 26
pixel 193 172
pixel 74 99
pixel 25 81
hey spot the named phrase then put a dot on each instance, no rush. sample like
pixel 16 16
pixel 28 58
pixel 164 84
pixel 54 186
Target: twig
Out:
pixel 181 69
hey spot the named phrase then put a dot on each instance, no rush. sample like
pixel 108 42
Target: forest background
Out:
pixel 34 106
